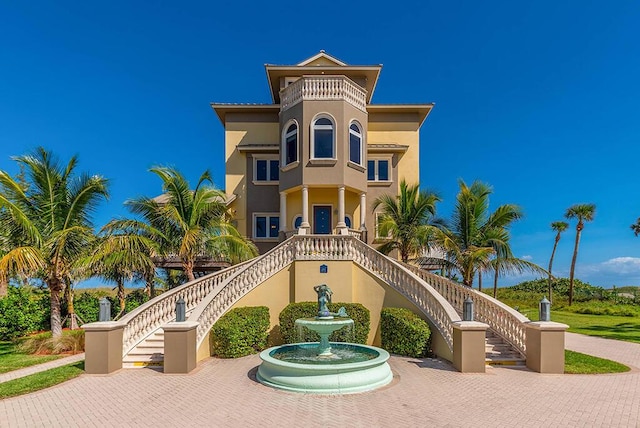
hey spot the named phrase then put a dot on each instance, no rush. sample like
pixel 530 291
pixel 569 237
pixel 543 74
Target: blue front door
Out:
pixel 322 220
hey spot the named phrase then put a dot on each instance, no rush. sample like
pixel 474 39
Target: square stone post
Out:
pixel 103 347
pixel 180 353
pixel 469 349
pixel 545 346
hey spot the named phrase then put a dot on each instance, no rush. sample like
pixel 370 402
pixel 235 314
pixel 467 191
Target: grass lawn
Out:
pixel 577 363
pixel 11 359
pixel 607 326
pixel 38 381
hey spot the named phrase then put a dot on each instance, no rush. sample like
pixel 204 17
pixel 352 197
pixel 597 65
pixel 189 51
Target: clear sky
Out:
pixel 538 99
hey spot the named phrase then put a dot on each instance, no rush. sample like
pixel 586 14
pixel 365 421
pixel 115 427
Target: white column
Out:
pixel 341 224
pixel 283 212
pixel 363 210
pixel 305 208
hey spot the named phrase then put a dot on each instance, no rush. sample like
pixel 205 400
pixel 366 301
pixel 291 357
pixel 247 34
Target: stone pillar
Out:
pixel 363 210
pixel 305 208
pixel 103 347
pixel 469 352
pixel 545 346
pixel 283 212
pixel 341 226
pixel 180 353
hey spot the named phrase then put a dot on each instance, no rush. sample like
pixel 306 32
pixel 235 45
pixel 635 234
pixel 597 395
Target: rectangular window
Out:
pixel 266 170
pixel 323 143
pixel 266 226
pixel 378 170
pixel 274 170
pixel 354 148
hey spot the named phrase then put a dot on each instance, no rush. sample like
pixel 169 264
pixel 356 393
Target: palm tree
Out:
pixel 189 223
pixel 48 216
pixel 558 227
pixel 636 227
pixel 581 212
pixel 121 256
pixel 407 220
pixel 475 235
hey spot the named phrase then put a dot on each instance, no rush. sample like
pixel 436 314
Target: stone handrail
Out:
pixel 326 247
pixel 150 316
pixel 323 88
pixel 502 319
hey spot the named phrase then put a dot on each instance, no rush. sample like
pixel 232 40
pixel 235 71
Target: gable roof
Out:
pixel 322 58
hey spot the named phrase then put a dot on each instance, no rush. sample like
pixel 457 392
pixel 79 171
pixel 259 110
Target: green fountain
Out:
pixel 325 367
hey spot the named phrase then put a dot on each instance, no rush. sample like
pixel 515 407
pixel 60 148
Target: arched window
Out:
pixel 297 222
pixel 290 144
pixel 355 144
pixel 322 141
pixel 347 221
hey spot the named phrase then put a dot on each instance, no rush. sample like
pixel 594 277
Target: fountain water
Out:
pixel 325 367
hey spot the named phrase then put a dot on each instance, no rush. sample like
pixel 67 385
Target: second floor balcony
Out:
pixel 323 88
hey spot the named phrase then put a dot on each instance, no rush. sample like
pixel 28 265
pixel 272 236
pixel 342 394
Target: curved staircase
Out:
pixel 209 297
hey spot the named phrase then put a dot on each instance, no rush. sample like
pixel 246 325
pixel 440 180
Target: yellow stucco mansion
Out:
pixel 314 160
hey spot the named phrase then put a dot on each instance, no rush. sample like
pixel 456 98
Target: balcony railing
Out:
pixel 321 88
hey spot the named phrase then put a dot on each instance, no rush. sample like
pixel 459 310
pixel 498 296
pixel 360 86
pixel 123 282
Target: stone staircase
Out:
pixel 149 353
pixel 501 353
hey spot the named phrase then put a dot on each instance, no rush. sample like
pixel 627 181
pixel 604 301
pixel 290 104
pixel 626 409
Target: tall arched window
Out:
pixel 322 141
pixel 290 144
pixel 355 144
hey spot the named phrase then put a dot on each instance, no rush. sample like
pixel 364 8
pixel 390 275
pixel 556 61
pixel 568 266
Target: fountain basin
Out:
pixel 326 375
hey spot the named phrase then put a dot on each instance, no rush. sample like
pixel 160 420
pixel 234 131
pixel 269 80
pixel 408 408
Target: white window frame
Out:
pixel 313 137
pixel 376 159
pixel 268 181
pixel 283 159
pixel 268 216
pixel 361 136
pixel 378 237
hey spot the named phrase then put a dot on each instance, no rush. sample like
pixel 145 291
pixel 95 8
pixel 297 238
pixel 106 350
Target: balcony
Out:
pixel 323 88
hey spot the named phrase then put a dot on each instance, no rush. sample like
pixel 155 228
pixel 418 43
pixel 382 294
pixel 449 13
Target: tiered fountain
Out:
pixel 325 367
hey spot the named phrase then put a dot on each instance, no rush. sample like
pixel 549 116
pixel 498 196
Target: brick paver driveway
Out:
pixel 425 393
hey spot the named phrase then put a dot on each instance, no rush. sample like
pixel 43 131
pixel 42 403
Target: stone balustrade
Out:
pixel 505 321
pixel 155 313
pixel 320 88
pixel 326 247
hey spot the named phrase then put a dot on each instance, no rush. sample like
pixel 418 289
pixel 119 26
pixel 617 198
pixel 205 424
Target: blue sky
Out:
pixel 538 99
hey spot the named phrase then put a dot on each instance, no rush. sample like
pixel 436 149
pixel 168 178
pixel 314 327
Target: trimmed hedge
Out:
pixel 358 313
pixel 240 332
pixel 404 333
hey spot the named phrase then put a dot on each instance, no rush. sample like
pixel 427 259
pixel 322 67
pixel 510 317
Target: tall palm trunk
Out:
pixel 553 253
pixel 479 280
pixel 495 282
pixel 55 287
pixel 579 228
pixel 121 297
pixel 188 270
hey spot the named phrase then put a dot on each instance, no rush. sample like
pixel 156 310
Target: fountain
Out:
pixel 325 367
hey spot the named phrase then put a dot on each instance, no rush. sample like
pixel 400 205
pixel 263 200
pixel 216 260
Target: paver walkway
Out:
pixel 425 393
pixel 4 377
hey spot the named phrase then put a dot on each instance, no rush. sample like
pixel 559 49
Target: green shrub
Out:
pixel 87 306
pixel 404 333
pixel 240 332
pixel 23 311
pixel 358 313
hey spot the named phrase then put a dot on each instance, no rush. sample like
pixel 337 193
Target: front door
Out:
pixel 322 220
